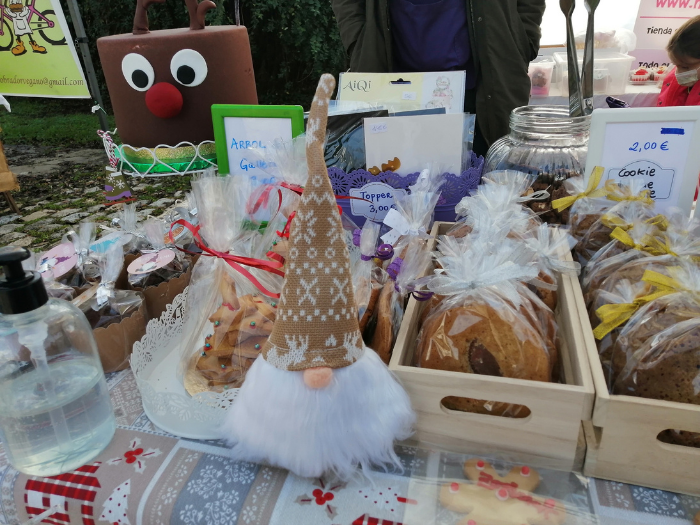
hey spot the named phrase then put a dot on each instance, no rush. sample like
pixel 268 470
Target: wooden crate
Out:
pixel 621 437
pixel 549 437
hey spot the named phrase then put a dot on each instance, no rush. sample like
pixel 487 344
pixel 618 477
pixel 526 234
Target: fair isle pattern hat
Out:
pixel 316 323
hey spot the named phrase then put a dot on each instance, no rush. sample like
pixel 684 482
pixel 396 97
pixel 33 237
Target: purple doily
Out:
pixel 455 188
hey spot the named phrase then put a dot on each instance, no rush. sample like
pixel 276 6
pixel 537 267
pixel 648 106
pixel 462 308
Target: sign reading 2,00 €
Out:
pixel 37 56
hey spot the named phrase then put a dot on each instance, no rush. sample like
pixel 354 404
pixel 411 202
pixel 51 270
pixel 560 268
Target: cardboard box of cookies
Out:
pixel 542 426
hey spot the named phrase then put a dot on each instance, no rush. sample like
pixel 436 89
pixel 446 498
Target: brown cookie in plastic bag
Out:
pixel 375 290
pixel 383 338
pixel 549 297
pixel 667 367
pixel 480 339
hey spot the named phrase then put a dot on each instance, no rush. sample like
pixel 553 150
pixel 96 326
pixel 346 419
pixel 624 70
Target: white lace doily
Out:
pixel 155 361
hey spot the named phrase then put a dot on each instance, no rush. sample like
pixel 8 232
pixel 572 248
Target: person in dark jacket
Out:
pixel 493 40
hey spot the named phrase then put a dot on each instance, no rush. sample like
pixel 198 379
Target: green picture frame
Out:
pixel 219 112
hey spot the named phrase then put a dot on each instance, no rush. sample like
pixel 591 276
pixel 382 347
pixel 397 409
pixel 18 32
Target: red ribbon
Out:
pixel 234 261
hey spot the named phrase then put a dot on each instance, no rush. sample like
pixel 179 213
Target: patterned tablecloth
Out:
pixel 147 476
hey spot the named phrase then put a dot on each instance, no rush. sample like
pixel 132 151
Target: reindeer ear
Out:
pixel 141 16
pixel 197 12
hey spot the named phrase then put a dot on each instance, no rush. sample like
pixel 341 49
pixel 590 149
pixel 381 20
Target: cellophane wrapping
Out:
pixel 155 230
pixel 367 277
pixel 658 351
pixel 489 322
pixel 229 317
pixel 407 267
pixel 105 306
pixel 86 270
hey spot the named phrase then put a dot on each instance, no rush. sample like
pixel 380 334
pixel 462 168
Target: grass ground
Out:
pixel 37 132
pixel 50 122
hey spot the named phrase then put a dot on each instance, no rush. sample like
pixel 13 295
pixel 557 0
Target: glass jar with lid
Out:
pixel 547 143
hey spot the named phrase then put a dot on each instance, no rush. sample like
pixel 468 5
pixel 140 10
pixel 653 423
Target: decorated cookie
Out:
pixel 236 340
pixel 523 478
pixel 489 502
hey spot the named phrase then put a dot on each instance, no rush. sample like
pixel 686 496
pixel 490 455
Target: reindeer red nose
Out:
pixel 164 100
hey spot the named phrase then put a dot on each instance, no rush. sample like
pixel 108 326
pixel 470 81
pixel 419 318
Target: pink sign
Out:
pixel 59 260
pixel 151 261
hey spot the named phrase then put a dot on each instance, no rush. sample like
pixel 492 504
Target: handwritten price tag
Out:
pixel 378 199
pixel 409 95
pixel 380 127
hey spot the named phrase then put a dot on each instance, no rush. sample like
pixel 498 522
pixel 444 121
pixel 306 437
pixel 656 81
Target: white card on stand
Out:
pixel 416 141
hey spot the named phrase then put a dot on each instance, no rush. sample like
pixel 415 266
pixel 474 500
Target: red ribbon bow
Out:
pixel 234 261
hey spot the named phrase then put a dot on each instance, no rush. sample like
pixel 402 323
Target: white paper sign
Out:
pixel 243 133
pixel 657 20
pixel 656 145
pixel 377 200
pixel 416 141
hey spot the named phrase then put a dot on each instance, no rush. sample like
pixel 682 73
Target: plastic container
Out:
pixel 55 411
pixel 610 65
pixel 540 72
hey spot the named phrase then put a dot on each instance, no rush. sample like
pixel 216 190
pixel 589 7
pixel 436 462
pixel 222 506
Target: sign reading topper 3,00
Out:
pixel 651 144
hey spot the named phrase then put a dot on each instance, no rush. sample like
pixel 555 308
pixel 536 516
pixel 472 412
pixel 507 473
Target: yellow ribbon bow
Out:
pixel 613 315
pixel 613 221
pixel 625 238
pixel 614 193
pixel 590 191
pixel 660 221
pixel 654 246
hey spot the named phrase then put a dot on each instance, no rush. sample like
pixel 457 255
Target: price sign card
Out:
pixel 374 200
pixel 656 145
pixel 240 128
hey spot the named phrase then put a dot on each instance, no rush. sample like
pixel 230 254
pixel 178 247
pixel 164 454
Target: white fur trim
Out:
pixel 277 419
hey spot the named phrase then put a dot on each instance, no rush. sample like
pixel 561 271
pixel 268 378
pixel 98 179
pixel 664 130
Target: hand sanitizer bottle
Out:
pixel 55 411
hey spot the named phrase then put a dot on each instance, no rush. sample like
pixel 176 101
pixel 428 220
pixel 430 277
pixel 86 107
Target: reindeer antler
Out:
pixel 141 16
pixel 198 11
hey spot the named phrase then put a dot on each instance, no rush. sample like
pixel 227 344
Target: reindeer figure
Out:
pixel 163 83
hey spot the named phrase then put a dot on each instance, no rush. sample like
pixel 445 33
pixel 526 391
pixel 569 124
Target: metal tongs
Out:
pixel 580 98
pixel 587 73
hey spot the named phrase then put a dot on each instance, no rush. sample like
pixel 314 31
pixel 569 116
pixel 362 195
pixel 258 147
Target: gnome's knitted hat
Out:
pixel 316 323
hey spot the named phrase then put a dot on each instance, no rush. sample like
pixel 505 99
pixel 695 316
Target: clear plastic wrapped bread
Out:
pixel 489 322
pixel 233 291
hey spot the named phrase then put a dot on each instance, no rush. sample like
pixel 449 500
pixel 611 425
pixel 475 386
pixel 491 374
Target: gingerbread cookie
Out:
pixel 696 520
pixel 371 297
pixel 523 477
pixel 493 499
pixel 489 503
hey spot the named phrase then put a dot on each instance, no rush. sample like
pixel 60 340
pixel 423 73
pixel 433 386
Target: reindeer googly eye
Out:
pixel 188 67
pixel 138 71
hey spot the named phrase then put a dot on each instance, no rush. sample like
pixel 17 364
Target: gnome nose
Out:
pixel 317 378
pixel 164 100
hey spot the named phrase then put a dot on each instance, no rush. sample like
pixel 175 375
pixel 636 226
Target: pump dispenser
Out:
pixel 55 411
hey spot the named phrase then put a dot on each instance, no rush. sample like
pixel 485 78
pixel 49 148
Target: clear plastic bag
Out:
pixel 625 293
pixel 367 278
pixel 127 223
pixel 121 314
pixel 550 246
pixel 232 295
pixel 412 215
pixel 632 205
pixel 86 271
pixel 642 335
pixel 488 323
pixel 408 265
pixel 155 231
pixel 666 366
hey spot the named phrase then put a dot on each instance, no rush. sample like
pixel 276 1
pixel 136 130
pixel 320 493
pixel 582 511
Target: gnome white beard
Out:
pixel 277 419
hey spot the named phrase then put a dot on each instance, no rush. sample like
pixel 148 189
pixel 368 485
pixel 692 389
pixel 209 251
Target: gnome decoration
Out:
pixel 317 400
